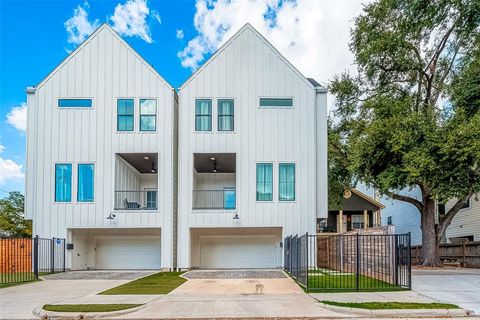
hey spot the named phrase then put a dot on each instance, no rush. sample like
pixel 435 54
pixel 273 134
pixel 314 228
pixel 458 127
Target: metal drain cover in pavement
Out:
pixel 234 274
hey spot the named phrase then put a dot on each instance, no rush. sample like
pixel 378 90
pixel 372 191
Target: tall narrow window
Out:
pixel 125 111
pixel 85 183
pixel 264 182
pixel 286 177
pixel 225 115
pixel 148 114
pixel 203 115
pixel 63 182
pixel 151 199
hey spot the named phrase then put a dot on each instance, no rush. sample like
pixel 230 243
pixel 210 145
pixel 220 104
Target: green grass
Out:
pixel 323 281
pixel 158 283
pixel 88 307
pixel 391 305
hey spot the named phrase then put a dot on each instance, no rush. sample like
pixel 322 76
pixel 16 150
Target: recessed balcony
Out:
pixel 136 181
pixel 214 181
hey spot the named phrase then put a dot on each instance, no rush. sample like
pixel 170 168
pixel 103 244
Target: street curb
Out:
pixel 52 315
pixel 401 313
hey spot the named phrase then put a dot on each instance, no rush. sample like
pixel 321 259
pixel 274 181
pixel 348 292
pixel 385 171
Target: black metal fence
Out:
pixel 214 199
pixel 25 259
pixel 347 262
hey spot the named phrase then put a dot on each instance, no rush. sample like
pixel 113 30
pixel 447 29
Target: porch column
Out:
pixel 365 218
pixel 340 221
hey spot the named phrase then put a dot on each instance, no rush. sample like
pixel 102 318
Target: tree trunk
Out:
pixel 430 244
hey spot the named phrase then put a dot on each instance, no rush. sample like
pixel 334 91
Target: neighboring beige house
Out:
pixel 466 224
pixel 358 211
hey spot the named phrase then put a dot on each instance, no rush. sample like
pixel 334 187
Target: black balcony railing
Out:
pixel 225 199
pixel 136 200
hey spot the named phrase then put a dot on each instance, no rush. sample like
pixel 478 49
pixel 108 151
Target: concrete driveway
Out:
pixel 18 302
pixel 234 293
pixel 458 286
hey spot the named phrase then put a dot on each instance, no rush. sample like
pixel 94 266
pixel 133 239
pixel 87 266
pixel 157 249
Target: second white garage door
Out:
pixel 139 252
pixel 229 252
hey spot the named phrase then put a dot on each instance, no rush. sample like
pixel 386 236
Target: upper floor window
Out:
pixel 264 181
pixel 203 115
pixel 85 182
pixel 148 114
pixel 74 103
pixel 276 102
pixel 63 182
pixel 125 114
pixel 225 115
pixel 467 204
pixel 286 177
pixel 389 220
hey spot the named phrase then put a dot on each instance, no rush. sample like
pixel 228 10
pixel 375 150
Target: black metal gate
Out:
pixel 347 262
pixel 25 259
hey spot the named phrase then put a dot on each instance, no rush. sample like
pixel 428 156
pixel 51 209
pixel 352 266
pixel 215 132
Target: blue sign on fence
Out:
pixel 59 241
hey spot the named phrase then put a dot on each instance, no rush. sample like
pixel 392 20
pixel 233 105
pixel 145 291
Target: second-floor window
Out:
pixel 203 115
pixel 125 114
pixel 63 182
pixel 225 115
pixel 85 182
pixel 286 180
pixel 148 114
pixel 264 181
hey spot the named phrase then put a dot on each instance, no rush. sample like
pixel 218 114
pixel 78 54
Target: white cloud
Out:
pixel 78 26
pixel 17 117
pixel 10 170
pixel 313 35
pixel 2 147
pixel 130 19
pixel 180 34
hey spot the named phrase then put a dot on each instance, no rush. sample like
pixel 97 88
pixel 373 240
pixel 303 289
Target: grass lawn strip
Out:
pixel 88 307
pixel 391 305
pixel 158 283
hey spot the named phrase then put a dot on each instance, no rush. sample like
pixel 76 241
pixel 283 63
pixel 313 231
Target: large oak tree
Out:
pixel 410 116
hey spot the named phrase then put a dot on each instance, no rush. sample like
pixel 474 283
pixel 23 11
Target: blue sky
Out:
pixel 175 36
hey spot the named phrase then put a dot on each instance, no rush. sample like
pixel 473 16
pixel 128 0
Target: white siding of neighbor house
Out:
pixel 103 68
pixel 245 69
pixel 466 222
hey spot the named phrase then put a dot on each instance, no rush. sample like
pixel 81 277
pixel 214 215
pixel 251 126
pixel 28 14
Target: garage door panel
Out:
pixel 238 252
pixel 140 252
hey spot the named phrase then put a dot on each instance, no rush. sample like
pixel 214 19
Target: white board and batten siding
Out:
pixel 103 68
pixel 466 222
pixel 246 68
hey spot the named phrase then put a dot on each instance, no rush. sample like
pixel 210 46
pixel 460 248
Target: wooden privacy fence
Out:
pixel 467 254
pixel 16 255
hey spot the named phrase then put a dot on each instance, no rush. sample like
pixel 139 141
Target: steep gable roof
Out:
pixel 104 26
pixel 247 26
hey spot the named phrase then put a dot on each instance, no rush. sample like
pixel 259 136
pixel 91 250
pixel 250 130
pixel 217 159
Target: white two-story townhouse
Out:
pixel 252 156
pixel 101 158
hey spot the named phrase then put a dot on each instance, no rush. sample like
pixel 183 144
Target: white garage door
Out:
pixel 238 252
pixel 139 252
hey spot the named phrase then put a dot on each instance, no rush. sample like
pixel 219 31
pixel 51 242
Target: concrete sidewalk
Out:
pixel 203 306
pixel 395 296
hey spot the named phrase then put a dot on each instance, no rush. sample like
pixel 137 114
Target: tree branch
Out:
pixel 447 219
pixel 408 199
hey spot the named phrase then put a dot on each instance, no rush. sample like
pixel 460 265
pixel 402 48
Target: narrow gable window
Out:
pixel 225 115
pixel 203 115
pixel 276 102
pixel 264 181
pixel 85 183
pixel 74 103
pixel 148 114
pixel 286 191
pixel 125 114
pixel 63 182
